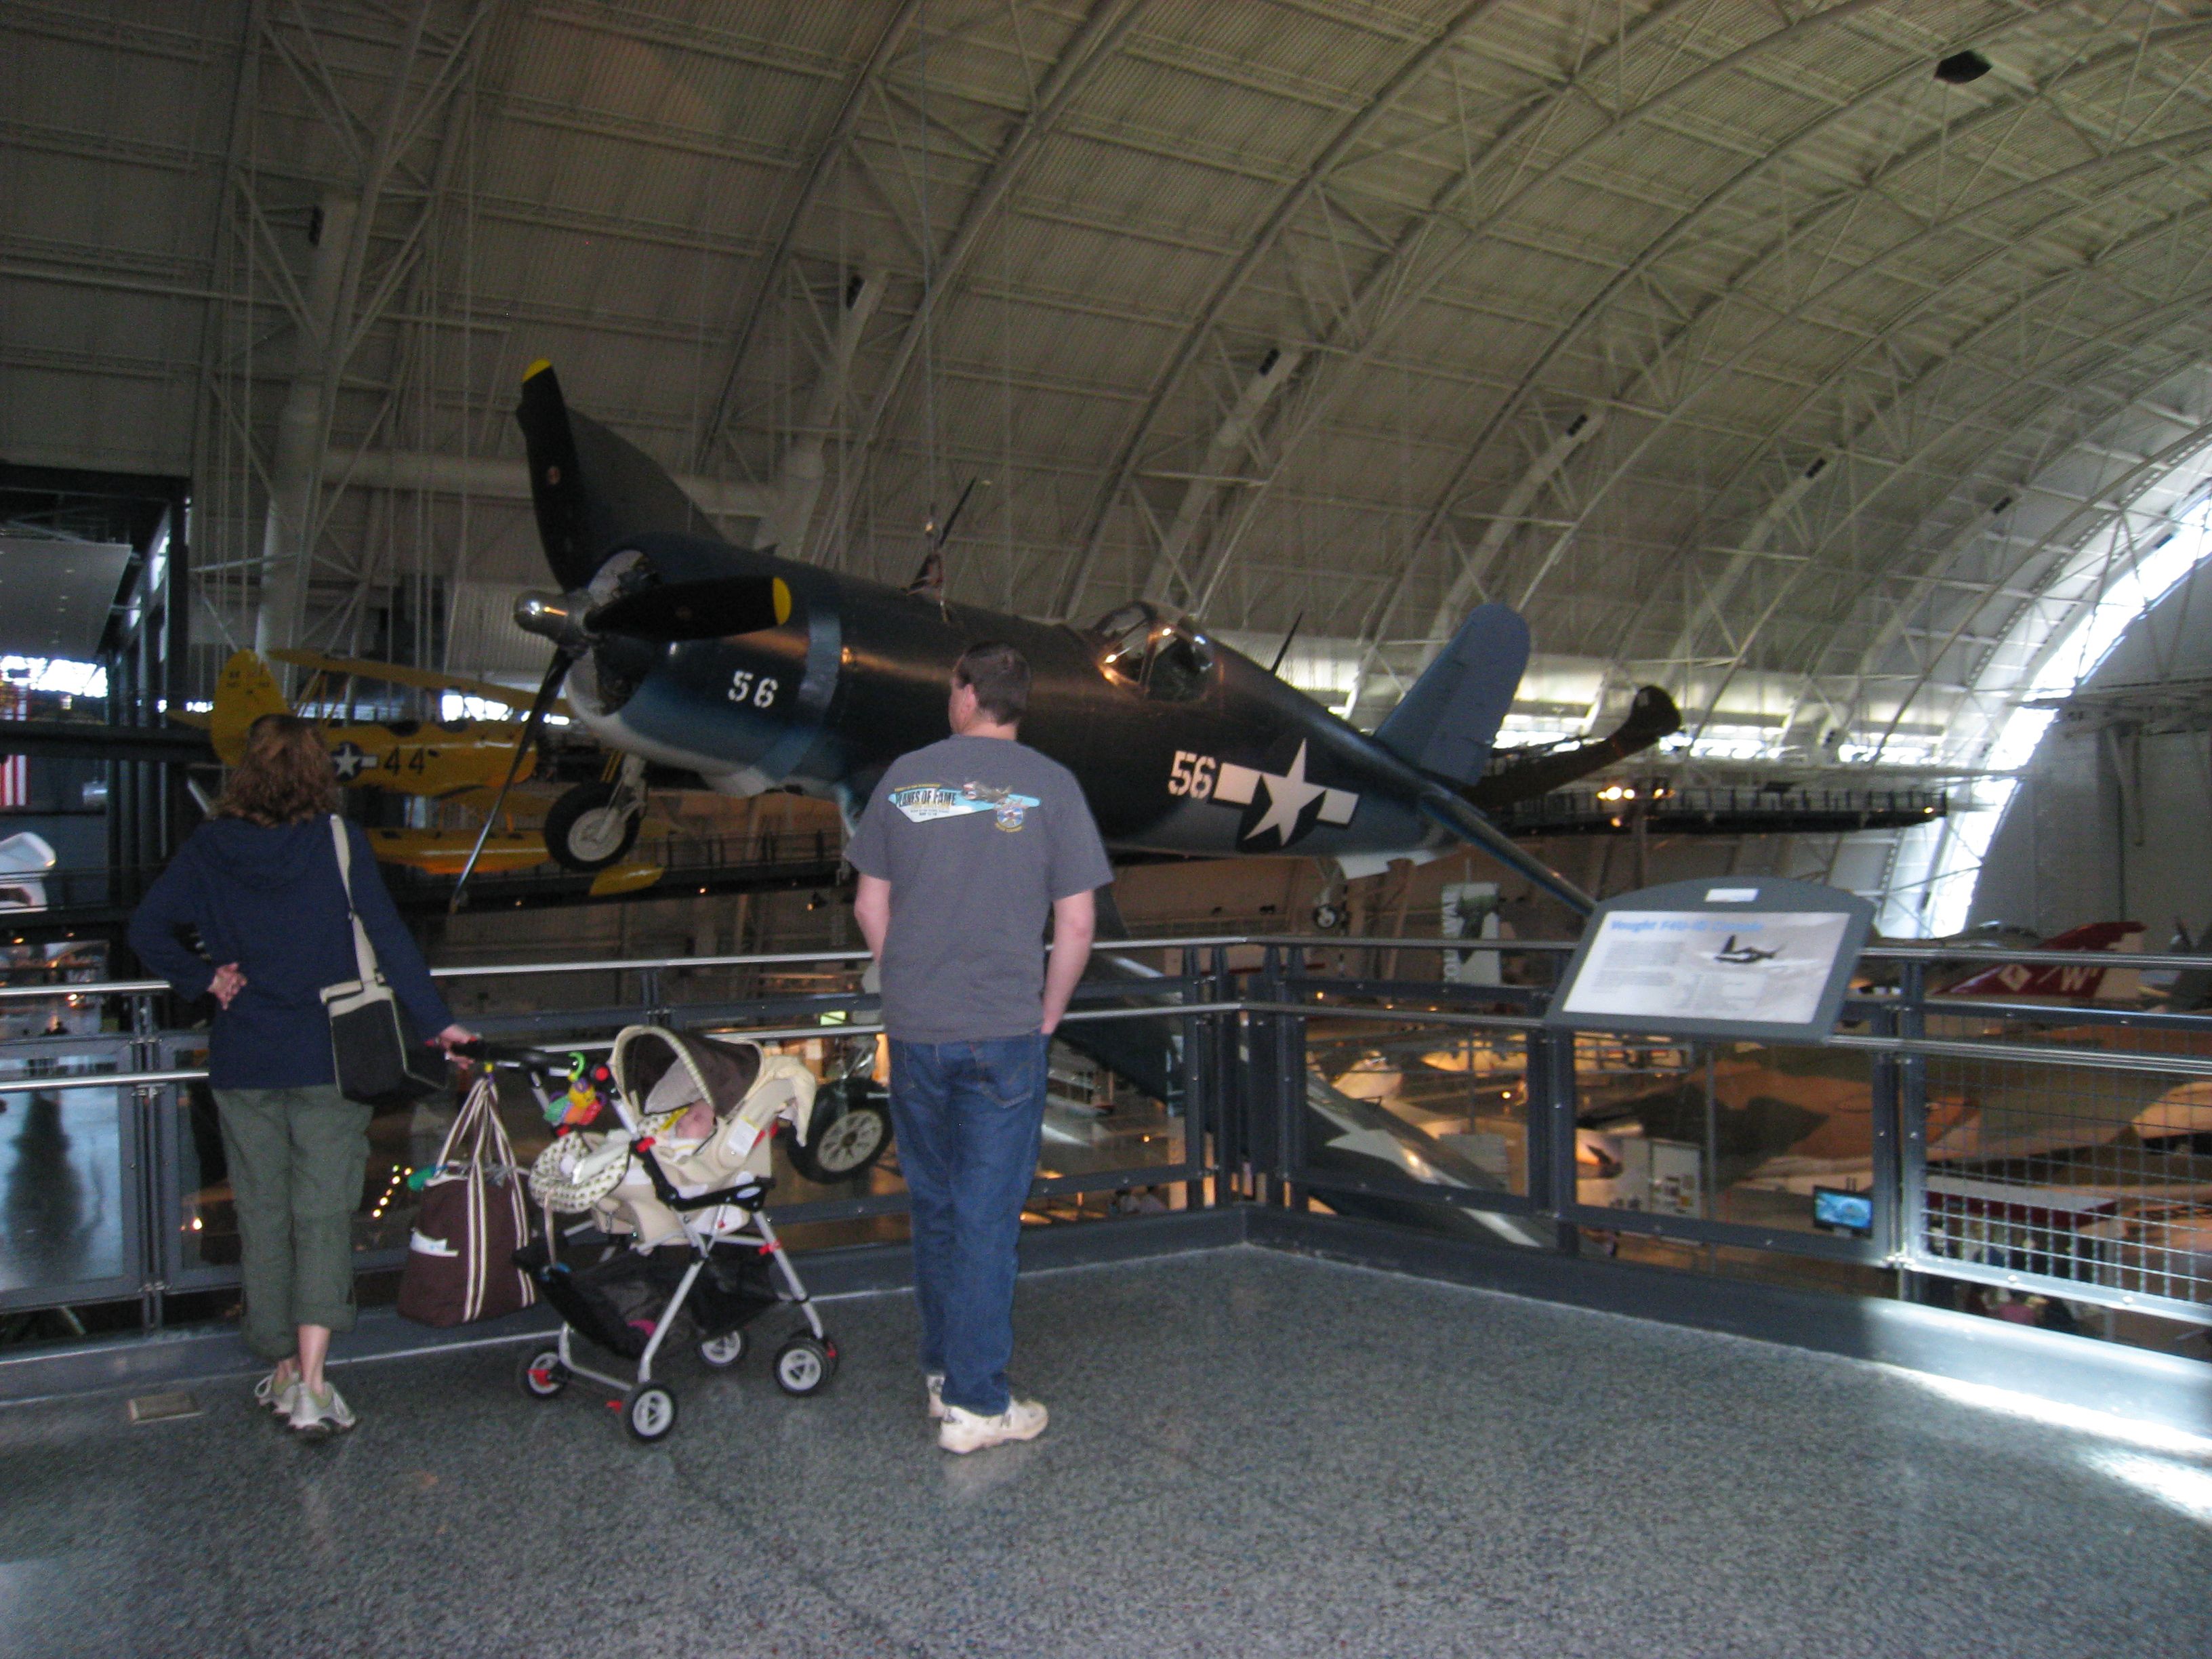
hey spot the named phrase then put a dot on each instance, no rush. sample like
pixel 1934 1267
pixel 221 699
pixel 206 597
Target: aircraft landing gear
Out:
pixel 595 823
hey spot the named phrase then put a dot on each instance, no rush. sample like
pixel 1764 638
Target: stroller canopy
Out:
pixel 661 1071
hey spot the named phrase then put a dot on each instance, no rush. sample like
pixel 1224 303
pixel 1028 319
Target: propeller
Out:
pixel 563 660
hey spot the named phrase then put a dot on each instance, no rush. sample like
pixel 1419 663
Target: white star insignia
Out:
pixel 1289 794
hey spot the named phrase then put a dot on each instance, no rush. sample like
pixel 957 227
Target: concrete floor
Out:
pixel 1250 1453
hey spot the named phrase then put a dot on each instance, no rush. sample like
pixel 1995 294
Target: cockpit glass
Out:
pixel 1165 657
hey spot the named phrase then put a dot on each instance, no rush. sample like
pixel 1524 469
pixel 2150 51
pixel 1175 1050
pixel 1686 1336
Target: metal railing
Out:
pixel 2038 1154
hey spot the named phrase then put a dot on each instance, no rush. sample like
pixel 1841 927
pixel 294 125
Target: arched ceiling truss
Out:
pixel 1709 333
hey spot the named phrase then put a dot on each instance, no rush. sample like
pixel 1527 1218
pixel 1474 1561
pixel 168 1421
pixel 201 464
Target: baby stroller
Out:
pixel 665 1147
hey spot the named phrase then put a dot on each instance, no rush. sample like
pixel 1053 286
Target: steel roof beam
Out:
pixel 818 172
pixel 1124 465
pixel 1791 237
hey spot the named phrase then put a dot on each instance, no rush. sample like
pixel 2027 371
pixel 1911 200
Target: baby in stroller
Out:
pixel 667 1149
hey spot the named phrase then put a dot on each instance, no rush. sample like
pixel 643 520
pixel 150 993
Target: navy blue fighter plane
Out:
pixel 755 671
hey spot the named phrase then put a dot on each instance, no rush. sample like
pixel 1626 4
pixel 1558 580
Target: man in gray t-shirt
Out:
pixel 966 847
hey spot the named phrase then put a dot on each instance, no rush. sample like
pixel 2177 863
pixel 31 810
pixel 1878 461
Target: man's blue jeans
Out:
pixel 968 1115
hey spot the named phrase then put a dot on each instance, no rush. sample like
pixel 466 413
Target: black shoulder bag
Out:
pixel 381 1061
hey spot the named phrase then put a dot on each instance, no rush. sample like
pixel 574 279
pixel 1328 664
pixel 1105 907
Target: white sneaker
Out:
pixel 270 1397
pixel 934 1381
pixel 319 1416
pixel 965 1431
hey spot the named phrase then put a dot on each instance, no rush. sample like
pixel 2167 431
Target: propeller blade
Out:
pixel 535 723
pixel 556 482
pixel 710 609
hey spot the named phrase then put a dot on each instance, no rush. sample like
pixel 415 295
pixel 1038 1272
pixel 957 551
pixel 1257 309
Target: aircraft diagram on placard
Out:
pixel 755 671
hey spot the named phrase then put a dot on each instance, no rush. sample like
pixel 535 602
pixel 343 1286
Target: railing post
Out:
pixel 148 1142
pixel 1908 1194
pixel 1290 1085
pixel 1221 1053
pixel 1887 1120
pixel 1254 1068
pixel 1200 1109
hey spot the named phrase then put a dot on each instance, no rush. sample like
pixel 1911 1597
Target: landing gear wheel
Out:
pixel 588 829
pixel 850 1133
pixel 804 1365
pixel 720 1352
pixel 541 1375
pixel 649 1413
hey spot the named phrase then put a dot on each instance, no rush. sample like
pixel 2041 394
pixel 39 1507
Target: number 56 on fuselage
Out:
pixel 757 671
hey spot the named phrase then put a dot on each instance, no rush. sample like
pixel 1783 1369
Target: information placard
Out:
pixel 1765 959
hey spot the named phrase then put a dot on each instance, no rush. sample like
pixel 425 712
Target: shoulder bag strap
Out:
pixel 364 954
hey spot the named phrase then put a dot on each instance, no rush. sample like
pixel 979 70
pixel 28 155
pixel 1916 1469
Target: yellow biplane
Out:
pixel 589 827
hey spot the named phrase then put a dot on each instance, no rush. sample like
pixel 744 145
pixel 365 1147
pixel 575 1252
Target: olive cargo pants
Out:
pixel 296 1160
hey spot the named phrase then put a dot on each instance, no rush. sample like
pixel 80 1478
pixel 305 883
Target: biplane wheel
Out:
pixel 586 830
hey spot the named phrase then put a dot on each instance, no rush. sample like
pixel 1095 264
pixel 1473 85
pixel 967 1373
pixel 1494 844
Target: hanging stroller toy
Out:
pixel 672 1165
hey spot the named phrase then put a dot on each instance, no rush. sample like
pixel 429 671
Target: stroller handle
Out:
pixel 514 1057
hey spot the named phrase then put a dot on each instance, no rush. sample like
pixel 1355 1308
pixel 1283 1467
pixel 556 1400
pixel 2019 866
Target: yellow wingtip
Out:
pixel 782 602
pixel 537 368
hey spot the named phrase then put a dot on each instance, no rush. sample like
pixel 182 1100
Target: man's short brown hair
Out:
pixel 1000 677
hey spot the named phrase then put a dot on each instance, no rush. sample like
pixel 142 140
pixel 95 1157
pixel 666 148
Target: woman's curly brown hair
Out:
pixel 285 775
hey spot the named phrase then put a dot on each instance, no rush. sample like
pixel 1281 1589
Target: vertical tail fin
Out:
pixel 246 691
pixel 1447 723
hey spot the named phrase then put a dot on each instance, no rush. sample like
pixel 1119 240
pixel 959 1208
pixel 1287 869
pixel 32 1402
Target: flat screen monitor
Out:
pixel 1836 1210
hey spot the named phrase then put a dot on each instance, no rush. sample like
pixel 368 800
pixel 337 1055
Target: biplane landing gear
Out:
pixel 595 823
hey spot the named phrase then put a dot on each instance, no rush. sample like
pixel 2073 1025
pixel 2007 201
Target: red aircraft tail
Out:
pixel 2016 980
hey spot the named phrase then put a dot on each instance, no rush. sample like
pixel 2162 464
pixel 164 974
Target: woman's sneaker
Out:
pixel 964 1431
pixel 272 1396
pixel 319 1416
pixel 934 1381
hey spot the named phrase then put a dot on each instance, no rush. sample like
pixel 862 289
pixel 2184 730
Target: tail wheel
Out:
pixel 589 828
pixel 649 1413
pixel 804 1365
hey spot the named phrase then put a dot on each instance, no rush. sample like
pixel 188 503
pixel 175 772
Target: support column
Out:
pixel 295 471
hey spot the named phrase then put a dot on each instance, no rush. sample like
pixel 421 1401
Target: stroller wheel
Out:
pixel 650 1411
pixel 724 1351
pixel 541 1374
pixel 804 1366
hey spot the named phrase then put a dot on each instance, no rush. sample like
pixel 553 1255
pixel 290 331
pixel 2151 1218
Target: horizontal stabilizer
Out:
pixel 1651 716
pixel 1447 722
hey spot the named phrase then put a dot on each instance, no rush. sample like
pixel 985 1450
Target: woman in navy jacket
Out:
pixel 259 884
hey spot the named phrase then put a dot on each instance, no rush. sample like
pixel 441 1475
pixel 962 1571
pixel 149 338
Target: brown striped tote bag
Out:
pixel 475 1215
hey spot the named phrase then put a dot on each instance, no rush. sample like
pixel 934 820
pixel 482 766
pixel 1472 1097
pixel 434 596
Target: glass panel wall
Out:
pixel 69 1170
